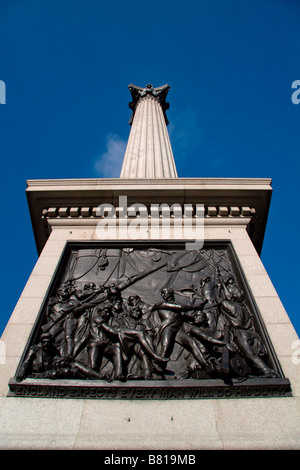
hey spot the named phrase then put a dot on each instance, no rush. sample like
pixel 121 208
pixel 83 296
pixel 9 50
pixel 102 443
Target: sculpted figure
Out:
pixel 202 334
pixel 102 344
pixel 111 334
pixel 208 290
pixel 136 301
pixel 43 360
pixel 62 314
pixel 63 368
pixel 239 321
pixel 172 315
pixel 126 330
pixel 39 358
pixel 136 320
pixel 57 309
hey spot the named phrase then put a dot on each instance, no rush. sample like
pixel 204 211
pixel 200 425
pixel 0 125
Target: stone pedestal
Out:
pixel 65 211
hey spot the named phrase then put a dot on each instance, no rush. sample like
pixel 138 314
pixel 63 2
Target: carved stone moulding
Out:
pixel 91 212
pixel 149 321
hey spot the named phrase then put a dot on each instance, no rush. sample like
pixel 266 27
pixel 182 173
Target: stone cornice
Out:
pixel 225 200
pixel 207 183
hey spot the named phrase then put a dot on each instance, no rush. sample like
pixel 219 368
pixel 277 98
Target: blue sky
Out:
pixel 230 64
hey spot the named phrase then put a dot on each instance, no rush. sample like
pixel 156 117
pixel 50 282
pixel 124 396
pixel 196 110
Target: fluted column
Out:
pixel 149 152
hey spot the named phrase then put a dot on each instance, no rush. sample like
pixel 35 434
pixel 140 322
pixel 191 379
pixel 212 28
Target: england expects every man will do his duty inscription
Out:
pixel 144 321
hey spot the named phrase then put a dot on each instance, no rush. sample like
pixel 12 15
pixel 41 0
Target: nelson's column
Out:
pixel 149 321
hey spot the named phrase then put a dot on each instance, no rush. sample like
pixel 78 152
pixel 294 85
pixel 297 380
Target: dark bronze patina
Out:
pixel 149 322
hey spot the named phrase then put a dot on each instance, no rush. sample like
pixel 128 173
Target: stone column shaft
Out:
pixel 149 152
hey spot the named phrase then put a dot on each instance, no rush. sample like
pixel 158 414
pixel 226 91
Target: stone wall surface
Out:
pixel 239 423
